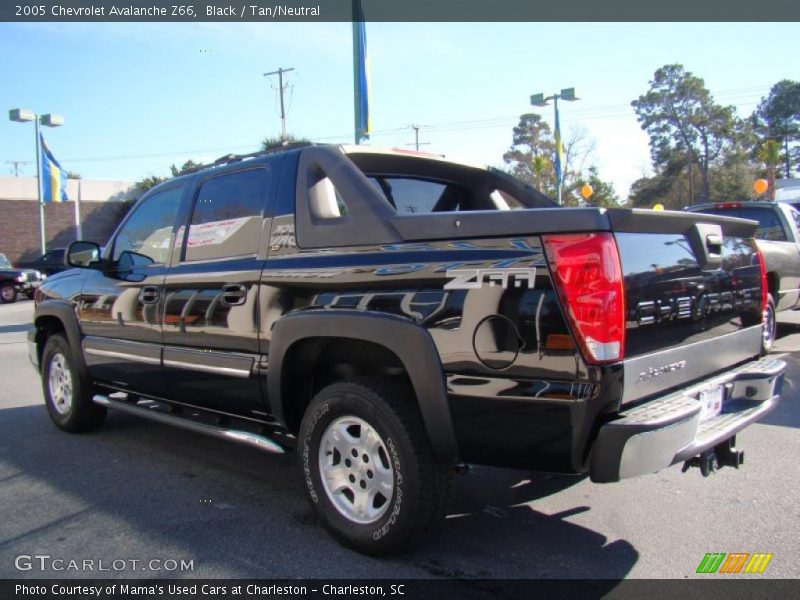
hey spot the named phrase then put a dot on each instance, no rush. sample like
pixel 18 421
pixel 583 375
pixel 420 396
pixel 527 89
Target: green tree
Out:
pixel 153 180
pixel 271 143
pixel 682 119
pixel 779 117
pixel 769 153
pixel 603 193
pixel 187 167
pixel 530 157
pixel 668 186
pixel 149 182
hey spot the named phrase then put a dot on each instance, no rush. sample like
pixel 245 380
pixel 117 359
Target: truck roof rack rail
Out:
pixel 232 158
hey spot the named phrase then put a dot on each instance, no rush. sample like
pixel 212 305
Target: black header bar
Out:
pixel 402 10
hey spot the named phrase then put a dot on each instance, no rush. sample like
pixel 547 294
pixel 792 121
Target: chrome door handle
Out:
pixel 234 294
pixel 149 294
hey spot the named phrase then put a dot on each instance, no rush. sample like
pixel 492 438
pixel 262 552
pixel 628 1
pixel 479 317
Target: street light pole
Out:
pixel 560 174
pixel 21 115
pixel 567 94
pixel 42 233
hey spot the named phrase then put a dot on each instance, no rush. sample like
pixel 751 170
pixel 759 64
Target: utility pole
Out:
pixel 417 143
pixel 16 164
pixel 281 89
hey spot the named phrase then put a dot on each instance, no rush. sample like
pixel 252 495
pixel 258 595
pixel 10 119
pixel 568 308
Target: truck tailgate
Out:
pixel 692 297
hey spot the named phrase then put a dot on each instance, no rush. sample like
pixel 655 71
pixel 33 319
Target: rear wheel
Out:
pixel 369 468
pixel 770 327
pixel 8 293
pixel 67 392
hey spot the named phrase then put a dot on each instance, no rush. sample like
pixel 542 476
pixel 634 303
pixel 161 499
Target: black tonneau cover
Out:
pixel 495 223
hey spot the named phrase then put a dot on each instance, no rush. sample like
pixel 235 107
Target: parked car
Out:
pixel 15 281
pixel 49 263
pixel 778 238
pixel 388 315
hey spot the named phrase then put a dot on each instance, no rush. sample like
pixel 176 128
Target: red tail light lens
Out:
pixel 764 283
pixel 587 274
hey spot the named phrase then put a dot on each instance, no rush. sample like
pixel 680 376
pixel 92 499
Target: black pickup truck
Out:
pixel 15 281
pixel 389 315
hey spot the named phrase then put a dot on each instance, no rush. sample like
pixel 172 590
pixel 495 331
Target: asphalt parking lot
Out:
pixel 139 491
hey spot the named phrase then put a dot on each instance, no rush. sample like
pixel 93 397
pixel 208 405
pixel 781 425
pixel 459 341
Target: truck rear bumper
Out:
pixel 671 429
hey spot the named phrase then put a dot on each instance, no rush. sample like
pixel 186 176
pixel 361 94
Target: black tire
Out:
pixel 69 404
pixel 770 327
pixel 422 487
pixel 8 293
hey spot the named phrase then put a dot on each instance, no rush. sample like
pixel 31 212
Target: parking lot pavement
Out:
pixel 137 490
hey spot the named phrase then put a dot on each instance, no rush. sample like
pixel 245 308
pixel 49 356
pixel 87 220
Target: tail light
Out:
pixel 764 283
pixel 588 278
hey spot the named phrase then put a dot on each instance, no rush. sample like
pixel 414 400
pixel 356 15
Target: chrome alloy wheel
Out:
pixel 59 381
pixel 355 470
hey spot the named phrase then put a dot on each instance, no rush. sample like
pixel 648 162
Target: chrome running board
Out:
pixel 150 411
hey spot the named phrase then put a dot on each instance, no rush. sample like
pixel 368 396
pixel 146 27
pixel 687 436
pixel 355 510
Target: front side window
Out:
pixel 145 236
pixel 227 216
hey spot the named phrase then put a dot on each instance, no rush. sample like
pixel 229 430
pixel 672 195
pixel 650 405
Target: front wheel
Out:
pixel 369 468
pixel 8 293
pixel 67 393
pixel 770 327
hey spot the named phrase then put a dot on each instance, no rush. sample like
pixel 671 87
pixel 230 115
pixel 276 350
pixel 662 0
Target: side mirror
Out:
pixel 83 254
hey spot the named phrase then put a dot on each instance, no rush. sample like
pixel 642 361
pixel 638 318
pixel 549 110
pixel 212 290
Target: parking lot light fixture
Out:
pixel 540 100
pixel 23 115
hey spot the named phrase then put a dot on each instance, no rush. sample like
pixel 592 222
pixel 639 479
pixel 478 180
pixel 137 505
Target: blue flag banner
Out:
pixel 54 178
pixel 360 74
pixel 559 154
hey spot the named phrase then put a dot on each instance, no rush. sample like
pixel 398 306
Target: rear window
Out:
pixel 769 224
pixel 411 196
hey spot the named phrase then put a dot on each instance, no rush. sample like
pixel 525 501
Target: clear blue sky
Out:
pixel 138 97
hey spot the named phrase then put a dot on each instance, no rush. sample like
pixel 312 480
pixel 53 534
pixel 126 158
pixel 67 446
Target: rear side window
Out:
pixel 227 216
pixel 769 224
pixel 411 196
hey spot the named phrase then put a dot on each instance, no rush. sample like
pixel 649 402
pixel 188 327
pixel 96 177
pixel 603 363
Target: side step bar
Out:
pixel 243 437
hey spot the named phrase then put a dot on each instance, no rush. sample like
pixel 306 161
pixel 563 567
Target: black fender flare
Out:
pixel 65 313
pixel 408 341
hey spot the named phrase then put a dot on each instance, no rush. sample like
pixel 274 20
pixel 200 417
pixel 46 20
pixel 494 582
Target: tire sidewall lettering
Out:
pixel 311 431
pixel 398 494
